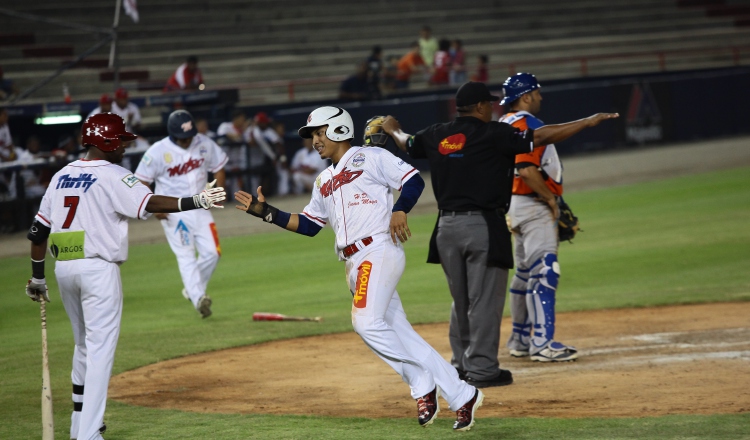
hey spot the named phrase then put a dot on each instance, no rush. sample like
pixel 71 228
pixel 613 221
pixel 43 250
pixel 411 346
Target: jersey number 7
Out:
pixel 72 203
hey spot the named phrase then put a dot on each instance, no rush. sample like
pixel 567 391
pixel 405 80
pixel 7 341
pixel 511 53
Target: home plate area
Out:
pixel 689 359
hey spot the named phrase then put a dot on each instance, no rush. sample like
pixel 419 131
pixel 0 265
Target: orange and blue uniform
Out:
pixel 545 158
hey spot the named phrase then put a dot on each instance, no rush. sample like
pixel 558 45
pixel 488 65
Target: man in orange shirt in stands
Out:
pixel 409 63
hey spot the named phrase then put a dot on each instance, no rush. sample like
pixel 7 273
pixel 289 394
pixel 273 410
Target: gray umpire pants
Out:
pixel 478 294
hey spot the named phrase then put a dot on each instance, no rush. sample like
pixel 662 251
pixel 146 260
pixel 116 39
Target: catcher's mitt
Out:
pixel 374 134
pixel 567 224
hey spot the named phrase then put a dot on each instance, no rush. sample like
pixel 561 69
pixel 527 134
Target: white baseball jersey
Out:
pixel 130 114
pixel 87 205
pixel 356 195
pixel 181 172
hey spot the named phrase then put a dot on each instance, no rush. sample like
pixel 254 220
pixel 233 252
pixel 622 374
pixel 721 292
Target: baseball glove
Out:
pixel 567 224
pixel 374 134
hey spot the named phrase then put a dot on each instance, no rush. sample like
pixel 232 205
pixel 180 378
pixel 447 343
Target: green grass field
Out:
pixel 684 240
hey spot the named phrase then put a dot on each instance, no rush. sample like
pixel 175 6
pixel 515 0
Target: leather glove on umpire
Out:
pixel 36 289
pixel 567 224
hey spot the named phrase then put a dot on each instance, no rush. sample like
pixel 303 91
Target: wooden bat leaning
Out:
pixel 260 316
pixel 48 423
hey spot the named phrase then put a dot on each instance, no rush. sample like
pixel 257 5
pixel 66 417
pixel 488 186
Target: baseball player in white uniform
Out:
pixel 83 216
pixel 355 194
pixel 179 164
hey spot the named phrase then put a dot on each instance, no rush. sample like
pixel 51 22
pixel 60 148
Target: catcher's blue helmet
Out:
pixel 181 125
pixel 517 85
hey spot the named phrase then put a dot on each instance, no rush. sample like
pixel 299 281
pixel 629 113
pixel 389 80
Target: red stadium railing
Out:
pixel 660 58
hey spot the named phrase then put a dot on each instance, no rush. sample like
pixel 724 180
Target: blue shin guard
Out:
pixel 541 300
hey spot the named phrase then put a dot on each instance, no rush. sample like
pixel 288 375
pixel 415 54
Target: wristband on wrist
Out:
pixel 188 203
pixel 37 268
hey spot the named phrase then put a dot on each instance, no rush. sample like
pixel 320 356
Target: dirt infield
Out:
pixel 691 359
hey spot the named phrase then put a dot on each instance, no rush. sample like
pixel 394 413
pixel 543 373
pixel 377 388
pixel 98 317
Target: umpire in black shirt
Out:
pixel 472 162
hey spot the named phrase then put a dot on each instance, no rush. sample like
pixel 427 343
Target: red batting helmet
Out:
pixel 105 131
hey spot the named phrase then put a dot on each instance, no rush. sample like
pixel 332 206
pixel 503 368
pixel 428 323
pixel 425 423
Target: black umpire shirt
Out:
pixel 472 164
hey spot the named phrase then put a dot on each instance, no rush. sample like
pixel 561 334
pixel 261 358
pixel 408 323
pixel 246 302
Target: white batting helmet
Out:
pixel 338 120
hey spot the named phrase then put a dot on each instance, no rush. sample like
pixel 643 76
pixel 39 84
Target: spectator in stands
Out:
pixel 409 64
pixel 374 71
pixel 442 64
pixel 306 165
pixel 201 124
pixel 187 77
pixel 428 45
pixel 458 63
pixel 232 137
pixel 35 181
pixel 390 73
pixel 267 147
pixel 127 110
pixel 482 74
pixel 7 152
pixel 356 87
pixel 8 89
pixel 105 105
pixel 9 155
pixel 282 162
pixel 67 150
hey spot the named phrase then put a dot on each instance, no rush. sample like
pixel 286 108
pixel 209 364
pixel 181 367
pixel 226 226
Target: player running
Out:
pixel 355 194
pixel 83 216
pixel 179 164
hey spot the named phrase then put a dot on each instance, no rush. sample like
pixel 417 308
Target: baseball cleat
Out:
pixel 556 352
pixel 204 306
pixel 428 408
pixel 519 353
pixel 465 414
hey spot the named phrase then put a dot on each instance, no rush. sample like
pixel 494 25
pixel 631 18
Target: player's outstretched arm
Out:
pixel 258 207
pixel 550 134
pixel 207 199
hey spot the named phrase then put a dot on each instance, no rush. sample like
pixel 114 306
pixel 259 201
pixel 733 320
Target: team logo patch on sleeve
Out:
pixel 130 180
pixel 358 160
pixel 146 159
pixel 363 280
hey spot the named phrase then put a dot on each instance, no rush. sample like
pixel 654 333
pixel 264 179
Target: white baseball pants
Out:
pixel 379 318
pixel 194 240
pixel 91 293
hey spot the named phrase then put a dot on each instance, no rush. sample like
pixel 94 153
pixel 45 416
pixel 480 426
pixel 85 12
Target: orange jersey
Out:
pixel 544 158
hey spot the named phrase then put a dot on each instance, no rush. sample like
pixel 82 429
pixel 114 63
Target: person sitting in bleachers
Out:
pixel 187 77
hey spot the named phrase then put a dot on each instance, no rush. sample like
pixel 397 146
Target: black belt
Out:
pixel 444 213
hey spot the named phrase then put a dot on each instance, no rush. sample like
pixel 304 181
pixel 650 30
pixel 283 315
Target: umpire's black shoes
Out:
pixel 465 414
pixel 428 408
pixel 461 373
pixel 504 377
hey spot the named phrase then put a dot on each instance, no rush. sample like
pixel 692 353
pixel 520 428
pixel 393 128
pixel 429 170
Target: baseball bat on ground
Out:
pixel 260 316
pixel 48 423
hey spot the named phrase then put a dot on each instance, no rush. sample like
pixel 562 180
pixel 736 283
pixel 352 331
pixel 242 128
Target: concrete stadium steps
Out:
pixel 240 41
